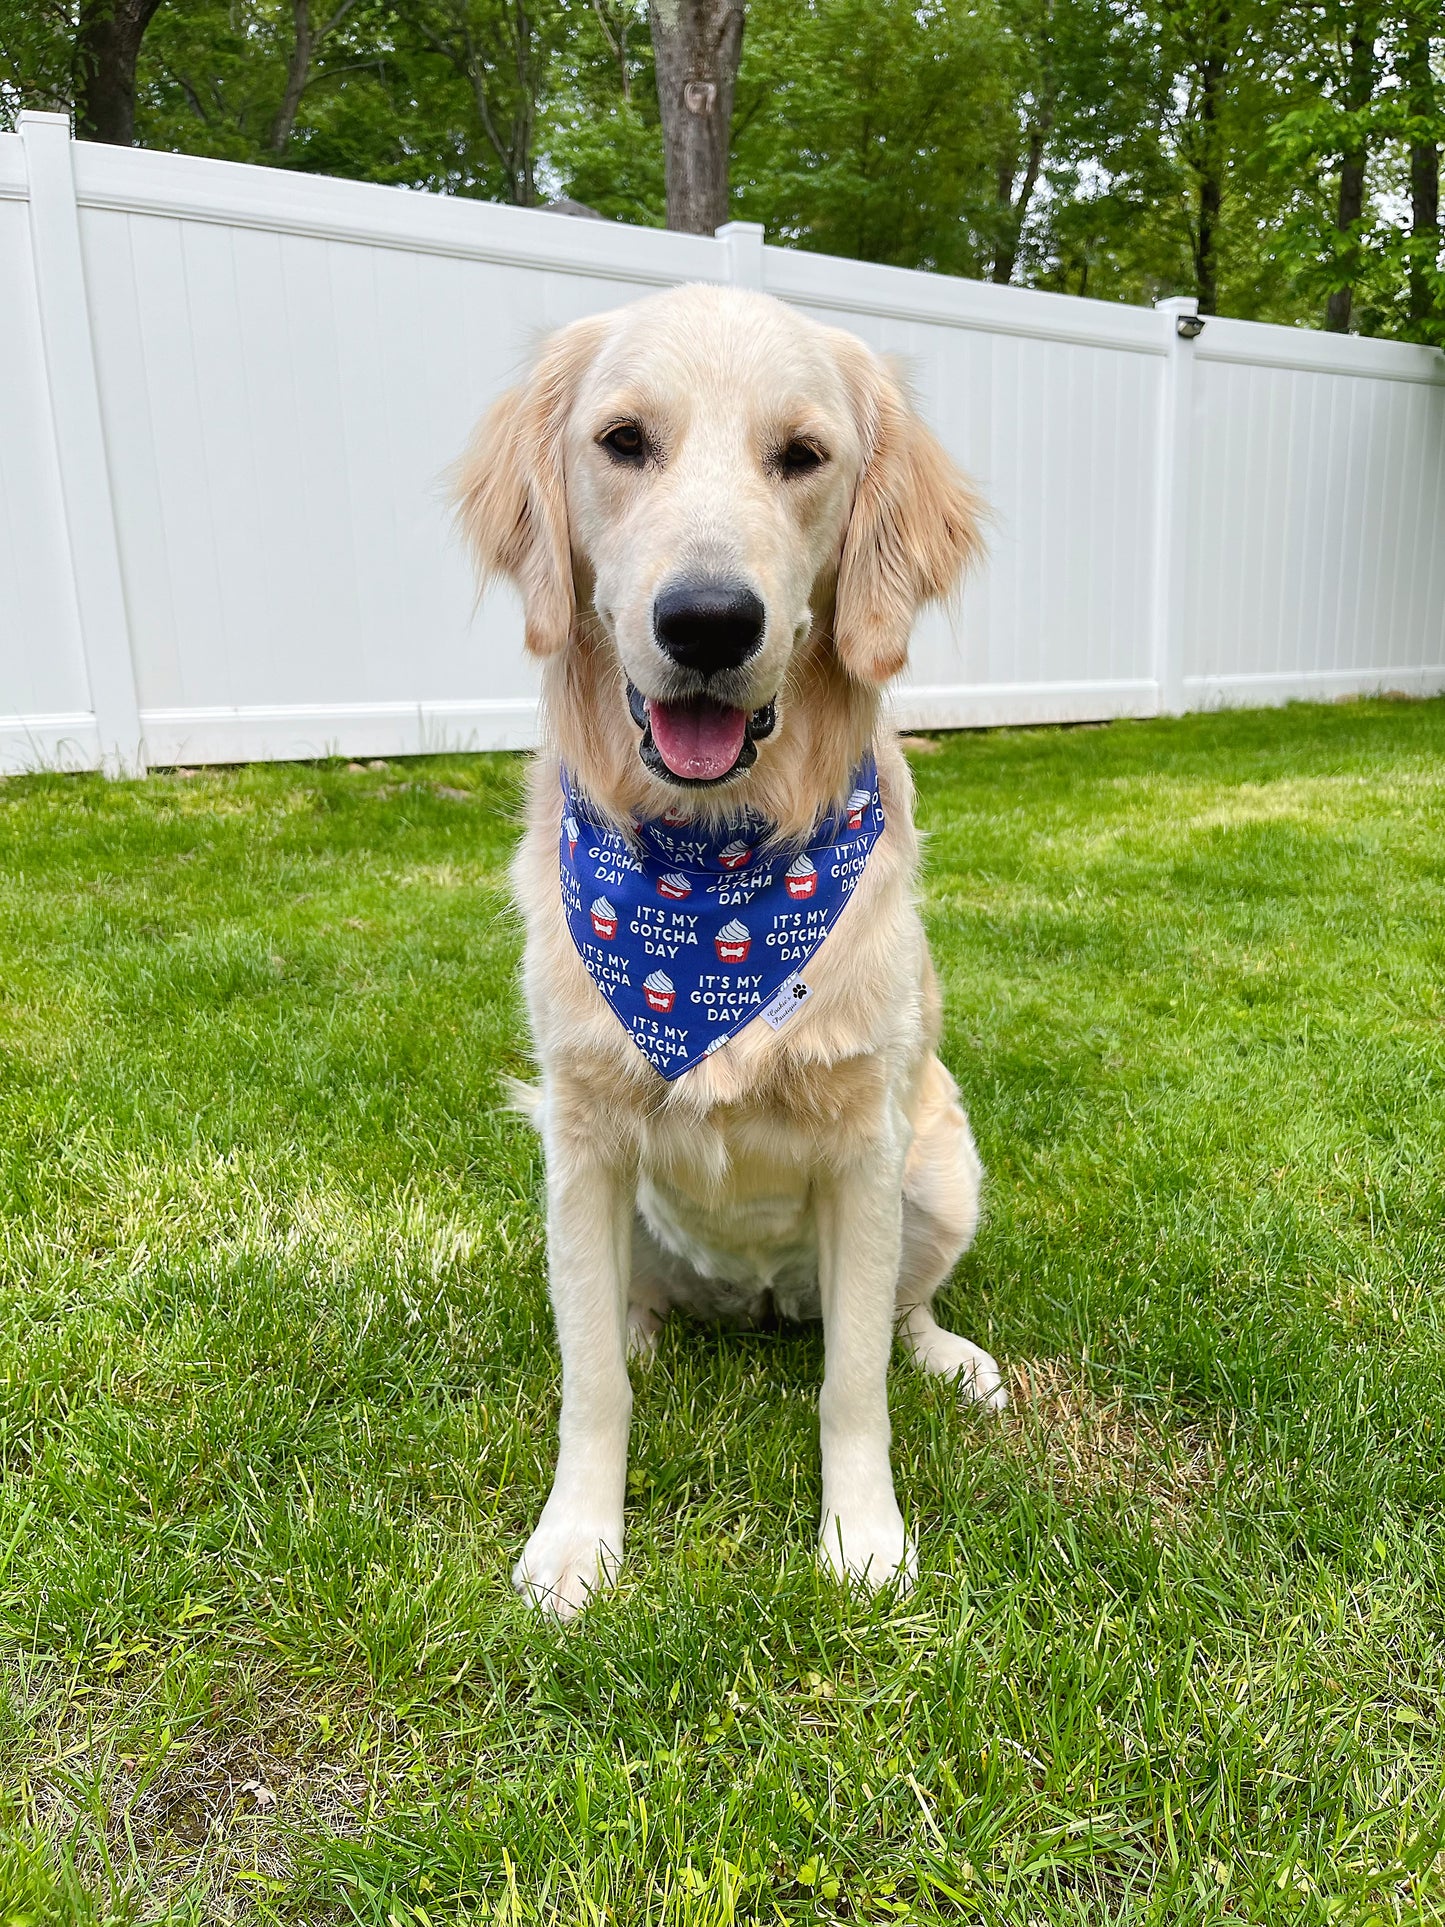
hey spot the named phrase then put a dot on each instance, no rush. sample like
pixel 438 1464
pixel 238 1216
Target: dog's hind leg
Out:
pixel 644 1329
pixel 940 1213
pixel 648 1298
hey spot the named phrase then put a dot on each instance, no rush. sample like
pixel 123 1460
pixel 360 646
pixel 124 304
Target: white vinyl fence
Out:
pixel 229 396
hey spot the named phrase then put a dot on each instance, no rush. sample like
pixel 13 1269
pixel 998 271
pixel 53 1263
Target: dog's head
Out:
pixel 711 485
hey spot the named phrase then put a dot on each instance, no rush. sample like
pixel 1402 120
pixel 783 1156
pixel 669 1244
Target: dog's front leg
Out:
pixel 577 1544
pixel 860 1231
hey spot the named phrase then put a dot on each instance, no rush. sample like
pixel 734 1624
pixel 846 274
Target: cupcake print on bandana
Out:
pixel 733 942
pixel 801 876
pixel 659 991
pixel 690 932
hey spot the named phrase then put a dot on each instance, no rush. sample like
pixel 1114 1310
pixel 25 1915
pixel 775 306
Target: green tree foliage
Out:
pixel 1372 112
pixel 441 94
pixel 1281 161
pixel 605 131
pixel 37 56
pixel 869 128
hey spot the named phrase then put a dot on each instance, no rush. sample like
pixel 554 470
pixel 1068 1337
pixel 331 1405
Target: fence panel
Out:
pixel 45 708
pixel 1050 403
pixel 232 396
pixel 286 384
pixel 1317 505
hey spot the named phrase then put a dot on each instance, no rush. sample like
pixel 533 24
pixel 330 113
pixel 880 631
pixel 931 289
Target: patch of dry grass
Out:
pixel 1081 1442
pixel 203 1803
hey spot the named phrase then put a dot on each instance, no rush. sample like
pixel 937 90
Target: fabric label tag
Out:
pixel 793 993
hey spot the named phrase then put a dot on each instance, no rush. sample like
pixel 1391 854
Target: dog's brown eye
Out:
pixel 626 441
pixel 800 457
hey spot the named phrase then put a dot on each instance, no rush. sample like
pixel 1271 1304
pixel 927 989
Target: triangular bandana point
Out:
pixel 690 933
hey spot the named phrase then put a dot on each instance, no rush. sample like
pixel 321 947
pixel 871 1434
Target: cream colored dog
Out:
pixel 722 519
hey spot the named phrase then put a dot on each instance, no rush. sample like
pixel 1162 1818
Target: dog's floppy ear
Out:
pixel 511 490
pixel 915 525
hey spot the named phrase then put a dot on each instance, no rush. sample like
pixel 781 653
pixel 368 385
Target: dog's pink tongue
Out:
pixel 697 739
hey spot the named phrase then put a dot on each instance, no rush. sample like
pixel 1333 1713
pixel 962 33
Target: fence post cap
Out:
pixel 1178 304
pixel 743 252
pixel 34 117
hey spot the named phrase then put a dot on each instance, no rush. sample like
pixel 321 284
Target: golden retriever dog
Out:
pixel 722 518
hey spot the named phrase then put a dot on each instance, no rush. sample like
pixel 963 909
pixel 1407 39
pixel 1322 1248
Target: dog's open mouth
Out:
pixel 697 740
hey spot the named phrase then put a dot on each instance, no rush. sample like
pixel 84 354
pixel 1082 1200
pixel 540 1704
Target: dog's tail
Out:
pixel 525 1099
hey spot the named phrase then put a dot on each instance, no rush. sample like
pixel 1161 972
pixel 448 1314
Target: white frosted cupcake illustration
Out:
pixel 735 856
pixel 857 803
pixel 733 942
pixel 801 876
pixel 659 991
pixel 569 824
pixel 674 885
pixel 604 919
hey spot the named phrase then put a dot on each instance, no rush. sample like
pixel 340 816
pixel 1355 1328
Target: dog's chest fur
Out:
pixel 735 1257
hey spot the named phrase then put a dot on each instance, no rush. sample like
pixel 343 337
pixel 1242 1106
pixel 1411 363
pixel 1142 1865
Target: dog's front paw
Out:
pixel 565 1562
pixel 868 1549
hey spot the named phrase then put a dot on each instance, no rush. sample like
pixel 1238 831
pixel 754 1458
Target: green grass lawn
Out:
pixel 278 1385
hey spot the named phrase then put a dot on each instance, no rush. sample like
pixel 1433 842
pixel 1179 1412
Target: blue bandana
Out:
pixel 691 932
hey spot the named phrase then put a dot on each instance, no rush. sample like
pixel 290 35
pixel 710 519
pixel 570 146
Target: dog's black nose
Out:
pixel 708 626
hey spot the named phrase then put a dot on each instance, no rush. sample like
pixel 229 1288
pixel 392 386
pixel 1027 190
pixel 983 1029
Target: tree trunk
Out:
pixel 1424 170
pixel 298 72
pixel 698 44
pixel 307 38
pixel 1212 73
pixel 616 45
pixel 107 42
pixel 1351 206
pixel 1007 253
pixel 1359 86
